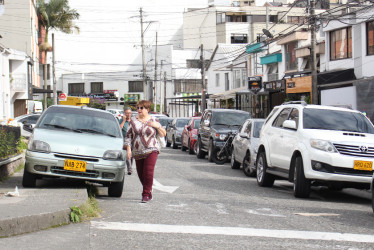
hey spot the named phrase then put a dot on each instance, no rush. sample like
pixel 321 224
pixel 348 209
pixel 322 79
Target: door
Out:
pixel 205 130
pixel 19 108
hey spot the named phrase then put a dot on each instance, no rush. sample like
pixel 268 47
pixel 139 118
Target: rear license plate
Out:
pixel 75 165
pixel 363 165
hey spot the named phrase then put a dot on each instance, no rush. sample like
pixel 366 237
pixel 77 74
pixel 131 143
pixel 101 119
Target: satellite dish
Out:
pixel 267 33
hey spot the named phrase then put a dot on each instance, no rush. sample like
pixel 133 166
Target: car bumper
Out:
pixel 96 171
pixel 218 143
pixel 335 167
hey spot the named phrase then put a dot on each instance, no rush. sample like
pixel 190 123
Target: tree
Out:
pixel 56 15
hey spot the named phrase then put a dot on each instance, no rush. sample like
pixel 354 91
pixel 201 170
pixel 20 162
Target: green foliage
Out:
pixel 96 104
pixel 7 143
pixel 307 99
pixel 21 144
pixel 75 214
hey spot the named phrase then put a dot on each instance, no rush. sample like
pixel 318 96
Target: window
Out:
pixel 295 19
pixel 76 88
pixel 135 86
pixel 294 116
pixel 291 61
pixel 259 19
pixel 217 80
pixel 244 77
pixel 236 19
pixel 239 38
pixel 96 87
pixel 2 2
pixel 341 43
pixel 283 115
pixel 221 18
pixel 193 63
pixel 370 37
pixel 236 78
pixel 257 129
pixel 248 129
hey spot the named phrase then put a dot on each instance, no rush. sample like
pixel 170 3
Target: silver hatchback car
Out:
pixel 79 143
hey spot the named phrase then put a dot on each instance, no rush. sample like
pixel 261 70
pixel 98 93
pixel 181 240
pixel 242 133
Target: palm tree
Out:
pixel 56 15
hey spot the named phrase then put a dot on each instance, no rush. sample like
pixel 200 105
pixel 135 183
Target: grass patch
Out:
pixel 90 209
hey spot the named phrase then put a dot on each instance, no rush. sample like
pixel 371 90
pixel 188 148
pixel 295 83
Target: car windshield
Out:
pixel 196 123
pixel 81 121
pixel 336 120
pixel 230 119
pixel 165 121
pixel 257 128
pixel 181 123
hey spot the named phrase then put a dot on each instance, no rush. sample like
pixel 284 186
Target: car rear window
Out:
pixel 336 120
pixel 181 123
pixel 196 123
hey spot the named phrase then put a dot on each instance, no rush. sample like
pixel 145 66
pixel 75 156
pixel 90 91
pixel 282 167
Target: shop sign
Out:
pixel 131 98
pixel 110 91
pixel 291 85
pixel 254 84
pixel 275 85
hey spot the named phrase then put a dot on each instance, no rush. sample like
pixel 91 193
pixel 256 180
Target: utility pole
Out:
pixel 313 52
pixel 155 81
pixel 165 103
pixel 54 71
pixel 203 85
pixel 143 57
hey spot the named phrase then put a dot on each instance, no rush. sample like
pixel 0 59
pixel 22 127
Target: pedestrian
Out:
pixel 124 122
pixel 141 143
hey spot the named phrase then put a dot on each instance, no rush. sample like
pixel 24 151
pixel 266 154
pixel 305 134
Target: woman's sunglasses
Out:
pixel 139 107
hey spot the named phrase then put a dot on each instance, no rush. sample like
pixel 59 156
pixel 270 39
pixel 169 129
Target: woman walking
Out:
pixel 142 144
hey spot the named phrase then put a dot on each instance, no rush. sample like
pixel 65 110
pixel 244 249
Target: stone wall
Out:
pixel 8 166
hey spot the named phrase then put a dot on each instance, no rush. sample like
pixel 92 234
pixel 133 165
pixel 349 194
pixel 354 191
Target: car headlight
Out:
pixel 322 145
pixel 39 146
pixel 113 155
pixel 220 136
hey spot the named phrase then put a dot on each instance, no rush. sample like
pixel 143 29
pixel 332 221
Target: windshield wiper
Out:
pixel 58 126
pixel 94 131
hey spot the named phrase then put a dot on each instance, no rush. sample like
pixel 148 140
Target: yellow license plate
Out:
pixel 363 165
pixel 75 165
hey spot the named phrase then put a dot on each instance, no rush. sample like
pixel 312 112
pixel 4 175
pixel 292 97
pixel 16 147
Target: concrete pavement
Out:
pixel 45 206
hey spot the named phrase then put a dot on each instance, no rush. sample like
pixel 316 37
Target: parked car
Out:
pixel 30 119
pixel 165 120
pixel 316 145
pixel 118 113
pixel 174 132
pixel 78 143
pixel 189 135
pixel 244 146
pixel 215 125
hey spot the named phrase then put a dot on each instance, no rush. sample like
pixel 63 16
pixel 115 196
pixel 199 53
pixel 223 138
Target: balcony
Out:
pixel 255 48
pixel 18 82
pixel 296 36
pixel 273 58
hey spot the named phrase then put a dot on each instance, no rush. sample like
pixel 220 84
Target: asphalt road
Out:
pixel 201 205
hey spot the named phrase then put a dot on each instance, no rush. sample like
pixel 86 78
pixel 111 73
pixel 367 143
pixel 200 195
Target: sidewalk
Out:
pixel 38 208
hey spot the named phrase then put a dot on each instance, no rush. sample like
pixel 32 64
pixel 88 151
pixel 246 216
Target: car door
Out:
pixel 242 141
pixel 289 141
pixel 205 129
pixel 170 130
pixel 275 135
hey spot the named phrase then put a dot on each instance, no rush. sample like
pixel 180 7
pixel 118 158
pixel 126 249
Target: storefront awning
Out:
pixel 227 94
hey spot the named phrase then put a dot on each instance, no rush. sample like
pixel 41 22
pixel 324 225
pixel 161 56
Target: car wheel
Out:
pixel 199 152
pixel 263 179
pixel 234 164
pixel 219 159
pixel 174 146
pixel 210 151
pixel 167 142
pixel 301 185
pixel 190 150
pixel 29 179
pixel 115 189
pixel 247 169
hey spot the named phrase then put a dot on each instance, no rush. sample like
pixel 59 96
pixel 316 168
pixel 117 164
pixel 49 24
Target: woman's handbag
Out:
pixel 161 140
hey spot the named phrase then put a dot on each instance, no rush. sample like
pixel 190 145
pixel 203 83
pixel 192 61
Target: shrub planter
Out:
pixel 9 165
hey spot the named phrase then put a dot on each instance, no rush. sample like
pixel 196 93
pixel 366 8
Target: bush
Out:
pixel 9 143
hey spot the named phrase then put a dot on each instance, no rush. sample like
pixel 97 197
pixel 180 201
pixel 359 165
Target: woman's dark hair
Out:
pixel 146 104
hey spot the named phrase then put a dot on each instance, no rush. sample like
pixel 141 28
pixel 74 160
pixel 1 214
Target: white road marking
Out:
pixel 168 189
pixel 316 214
pixel 264 212
pixel 233 231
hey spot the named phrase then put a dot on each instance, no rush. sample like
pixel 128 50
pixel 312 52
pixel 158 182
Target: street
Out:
pixel 201 205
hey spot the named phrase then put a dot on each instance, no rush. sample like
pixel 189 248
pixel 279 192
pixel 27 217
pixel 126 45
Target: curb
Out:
pixel 32 223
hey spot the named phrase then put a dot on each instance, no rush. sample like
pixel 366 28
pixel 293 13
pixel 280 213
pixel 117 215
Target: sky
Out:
pixel 109 38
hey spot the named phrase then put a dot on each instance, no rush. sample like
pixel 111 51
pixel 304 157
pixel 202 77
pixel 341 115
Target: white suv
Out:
pixel 316 145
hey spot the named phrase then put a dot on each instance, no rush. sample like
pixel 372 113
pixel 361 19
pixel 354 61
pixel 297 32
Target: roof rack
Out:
pixel 295 102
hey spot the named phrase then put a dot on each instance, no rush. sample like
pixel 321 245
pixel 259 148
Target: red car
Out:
pixel 189 135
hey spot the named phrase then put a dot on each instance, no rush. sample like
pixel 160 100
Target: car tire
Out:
pixel 219 160
pixel 247 169
pixel 174 146
pixel 190 150
pixel 301 185
pixel 29 179
pixel 210 150
pixel 234 164
pixel 115 189
pixel 264 179
pixel 200 154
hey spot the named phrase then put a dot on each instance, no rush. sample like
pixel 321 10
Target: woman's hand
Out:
pixel 155 125
pixel 128 154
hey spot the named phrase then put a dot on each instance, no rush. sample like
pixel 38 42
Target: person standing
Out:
pixel 124 122
pixel 141 143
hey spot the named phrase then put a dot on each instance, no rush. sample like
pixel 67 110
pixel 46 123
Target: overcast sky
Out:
pixel 109 35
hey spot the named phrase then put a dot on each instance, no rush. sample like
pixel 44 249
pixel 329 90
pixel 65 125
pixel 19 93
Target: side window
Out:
pixel 271 114
pixel 295 116
pixel 249 129
pixel 283 115
pixel 242 127
pixel 189 123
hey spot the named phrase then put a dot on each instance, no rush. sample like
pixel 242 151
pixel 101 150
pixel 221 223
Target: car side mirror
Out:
pixel 290 124
pixel 28 127
pixel 206 123
pixel 244 135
